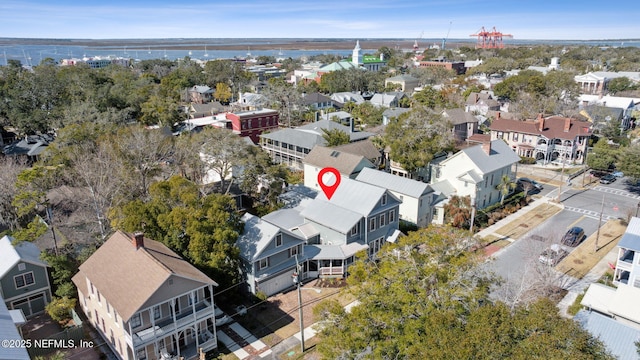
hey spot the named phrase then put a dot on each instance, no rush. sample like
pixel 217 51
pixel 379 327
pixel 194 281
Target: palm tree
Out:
pixel 505 187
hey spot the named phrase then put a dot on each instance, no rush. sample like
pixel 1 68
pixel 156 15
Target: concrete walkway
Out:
pixel 242 343
pixel 578 287
pixel 293 342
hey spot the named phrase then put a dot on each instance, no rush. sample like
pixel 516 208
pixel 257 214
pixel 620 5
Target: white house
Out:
pixel 416 196
pixel 476 171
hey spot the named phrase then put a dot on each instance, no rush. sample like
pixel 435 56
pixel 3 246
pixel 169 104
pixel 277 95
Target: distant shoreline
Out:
pixel 278 43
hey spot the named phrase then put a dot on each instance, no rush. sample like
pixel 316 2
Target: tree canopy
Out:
pixel 414 137
pixel 425 298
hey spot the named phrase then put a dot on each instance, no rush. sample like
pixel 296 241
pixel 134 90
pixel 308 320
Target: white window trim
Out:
pixel 24 280
pixel 266 261
pixel 136 316
pixel 279 241
pixel 392 216
pixel 22 266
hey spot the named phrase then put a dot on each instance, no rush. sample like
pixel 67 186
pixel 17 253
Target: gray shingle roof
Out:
pixel 316 127
pixel 365 148
pixel 459 116
pixel 394 183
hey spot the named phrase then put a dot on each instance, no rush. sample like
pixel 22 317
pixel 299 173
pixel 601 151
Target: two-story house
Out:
pixel 464 123
pixel 358 217
pixel 416 197
pixel 146 301
pixel 24 279
pixel 268 255
pixel 545 139
pixel 476 172
pixel 253 123
pixel 320 157
pixel 290 146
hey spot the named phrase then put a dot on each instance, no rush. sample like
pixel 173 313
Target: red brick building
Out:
pixel 253 123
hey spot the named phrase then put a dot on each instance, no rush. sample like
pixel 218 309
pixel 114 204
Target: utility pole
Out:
pixel 561 180
pixel 473 215
pixel 599 224
pixel 297 279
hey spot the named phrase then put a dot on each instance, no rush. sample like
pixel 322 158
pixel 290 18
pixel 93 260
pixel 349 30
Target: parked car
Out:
pixel 552 255
pixel 607 179
pixel 221 317
pixel 598 173
pixel 522 182
pixel 618 174
pixel 573 237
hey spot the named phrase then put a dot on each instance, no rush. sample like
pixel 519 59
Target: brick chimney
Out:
pixel 138 240
pixel 567 124
pixel 498 115
pixel 487 148
pixel 540 122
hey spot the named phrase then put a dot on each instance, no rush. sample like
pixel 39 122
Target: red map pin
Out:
pixel 329 183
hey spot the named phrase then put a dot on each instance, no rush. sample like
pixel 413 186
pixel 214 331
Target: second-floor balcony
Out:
pixel 167 325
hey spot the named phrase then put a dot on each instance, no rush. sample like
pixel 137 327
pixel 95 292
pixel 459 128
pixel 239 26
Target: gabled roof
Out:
pixel 364 148
pixel 331 215
pixel 609 101
pixel 402 78
pixel 356 196
pixel 387 98
pixel 501 156
pixel 202 89
pixel 459 116
pixel 344 97
pixel 10 255
pixel 32 145
pixel 553 127
pixel 631 237
pixel 315 98
pixel 127 277
pixel 256 236
pixel 344 162
pixel 409 187
pixel 395 112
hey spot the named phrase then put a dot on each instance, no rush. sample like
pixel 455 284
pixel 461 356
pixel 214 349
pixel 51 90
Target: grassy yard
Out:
pixel 585 257
pixel 528 221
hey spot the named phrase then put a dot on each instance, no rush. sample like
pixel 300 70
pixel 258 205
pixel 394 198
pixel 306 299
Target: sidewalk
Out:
pixel 294 341
pixel 581 285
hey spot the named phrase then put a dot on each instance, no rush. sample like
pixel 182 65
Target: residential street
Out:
pixel 518 262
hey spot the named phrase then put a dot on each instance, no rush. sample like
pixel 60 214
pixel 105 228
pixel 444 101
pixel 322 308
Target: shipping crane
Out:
pixel 444 40
pixel 415 43
pixel 490 39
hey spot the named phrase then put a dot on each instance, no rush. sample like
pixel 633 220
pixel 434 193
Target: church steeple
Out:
pixel 356 58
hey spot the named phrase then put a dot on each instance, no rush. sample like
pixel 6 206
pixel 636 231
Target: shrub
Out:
pixel 527 160
pixel 575 307
pixel 60 308
pixel 261 296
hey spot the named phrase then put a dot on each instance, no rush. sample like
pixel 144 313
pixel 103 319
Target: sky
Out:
pixel 364 19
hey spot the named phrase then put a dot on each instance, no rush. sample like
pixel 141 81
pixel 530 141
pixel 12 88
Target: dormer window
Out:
pixel 278 240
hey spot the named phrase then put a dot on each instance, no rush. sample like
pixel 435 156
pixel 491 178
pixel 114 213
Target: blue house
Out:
pixel 322 234
pixel 24 279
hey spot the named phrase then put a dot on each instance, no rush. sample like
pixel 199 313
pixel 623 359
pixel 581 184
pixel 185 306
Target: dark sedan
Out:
pixel 607 179
pixel 573 237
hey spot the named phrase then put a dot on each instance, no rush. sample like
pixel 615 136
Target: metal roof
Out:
pixel 331 252
pixel 631 238
pixel 617 337
pixel 356 196
pixel 25 251
pixel 8 331
pixel 296 137
pixel 394 183
pixel 331 215
pixel 256 236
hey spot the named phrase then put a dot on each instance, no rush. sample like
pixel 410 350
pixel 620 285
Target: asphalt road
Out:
pixel 582 208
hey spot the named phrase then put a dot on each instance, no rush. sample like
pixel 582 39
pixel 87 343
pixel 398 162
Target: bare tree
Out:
pixel 145 152
pixel 96 170
pixel 221 151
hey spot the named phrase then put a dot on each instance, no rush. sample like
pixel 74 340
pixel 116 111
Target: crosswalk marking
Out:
pixel 589 213
pixel 616 192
